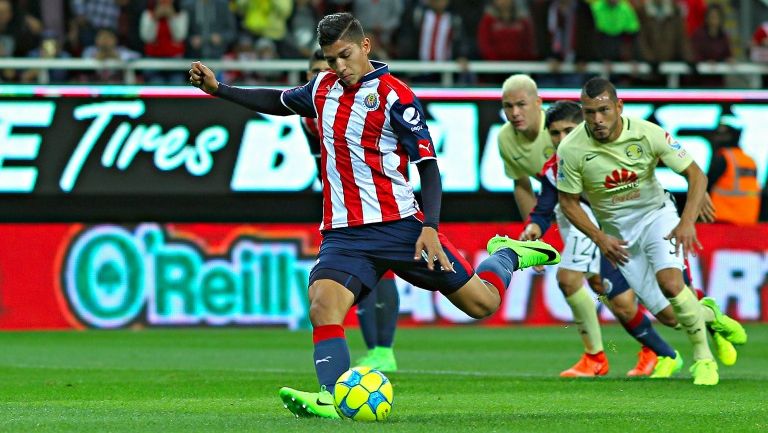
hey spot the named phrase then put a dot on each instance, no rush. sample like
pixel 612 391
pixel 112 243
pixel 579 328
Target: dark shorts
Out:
pixel 368 252
pixel 615 284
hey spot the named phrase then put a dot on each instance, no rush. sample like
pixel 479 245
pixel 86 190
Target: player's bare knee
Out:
pixel 319 312
pixel 623 306
pixel 596 284
pixel 624 313
pixel 483 306
pixel 328 305
pixel 481 310
pixel 670 287
pixel 569 281
pixel 667 317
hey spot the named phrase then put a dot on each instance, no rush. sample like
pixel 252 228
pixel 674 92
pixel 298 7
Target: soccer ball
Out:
pixel 363 394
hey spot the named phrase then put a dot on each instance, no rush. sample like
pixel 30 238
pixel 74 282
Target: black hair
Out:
pixel 339 26
pixel 316 56
pixel 563 110
pixel 596 86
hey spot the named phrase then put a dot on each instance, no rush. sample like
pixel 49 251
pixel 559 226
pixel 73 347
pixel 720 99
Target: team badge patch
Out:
pixel 548 152
pixel 634 152
pixel 371 101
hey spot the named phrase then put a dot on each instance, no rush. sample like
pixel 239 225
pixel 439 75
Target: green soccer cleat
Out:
pixel 379 358
pixel 667 366
pixel 724 350
pixel 309 404
pixel 367 359
pixel 730 329
pixel 704 372
pixel 529 253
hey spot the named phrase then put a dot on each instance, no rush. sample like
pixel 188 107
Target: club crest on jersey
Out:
pixel 548 152
pixel 371 102
pixel 633 152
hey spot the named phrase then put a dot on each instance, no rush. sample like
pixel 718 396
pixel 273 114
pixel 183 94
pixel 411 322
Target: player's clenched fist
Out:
pixel 203 77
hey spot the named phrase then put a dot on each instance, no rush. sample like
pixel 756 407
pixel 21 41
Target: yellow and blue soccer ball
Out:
pixel 363 394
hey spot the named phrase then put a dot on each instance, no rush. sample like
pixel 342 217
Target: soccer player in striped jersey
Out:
pixel 377 312
pixel 371 126
pixel 612 158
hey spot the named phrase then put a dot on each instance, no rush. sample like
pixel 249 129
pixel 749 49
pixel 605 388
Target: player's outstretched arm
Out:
pixel 707 210
pixel 265 101
pixel 684 234
pixel 524 196
pixel 428 245
pixel 540 218
pixel 614 250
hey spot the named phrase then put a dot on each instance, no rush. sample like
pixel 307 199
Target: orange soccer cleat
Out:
pixel 588 366
pixel 646 362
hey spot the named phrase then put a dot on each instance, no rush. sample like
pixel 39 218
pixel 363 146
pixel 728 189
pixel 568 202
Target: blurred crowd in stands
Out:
pixel 555 31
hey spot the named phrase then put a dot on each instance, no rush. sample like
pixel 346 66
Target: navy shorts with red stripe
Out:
pixel 367 252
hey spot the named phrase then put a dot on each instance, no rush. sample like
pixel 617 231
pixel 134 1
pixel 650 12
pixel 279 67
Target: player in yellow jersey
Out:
pixel 580 259
pixel 612 159
pixel 525 146
pixel 524 143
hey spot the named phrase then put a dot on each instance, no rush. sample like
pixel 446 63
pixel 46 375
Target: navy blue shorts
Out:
pixel 367 252
pixel 615 284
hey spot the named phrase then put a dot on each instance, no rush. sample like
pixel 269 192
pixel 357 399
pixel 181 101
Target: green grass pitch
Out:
pixel 452 379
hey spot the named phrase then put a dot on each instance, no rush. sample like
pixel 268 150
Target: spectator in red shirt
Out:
pixel 711 42
pixel 759 49
pixel 163 28
pixel 503 34
pixel 694 14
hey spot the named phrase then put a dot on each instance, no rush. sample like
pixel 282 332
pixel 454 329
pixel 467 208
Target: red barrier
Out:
pixel 60 276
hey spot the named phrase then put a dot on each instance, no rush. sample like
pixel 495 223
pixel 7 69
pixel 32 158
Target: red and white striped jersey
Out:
pixel 436 40
pixel 369 132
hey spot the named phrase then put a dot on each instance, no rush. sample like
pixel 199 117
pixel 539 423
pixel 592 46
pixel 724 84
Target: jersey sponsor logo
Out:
pixel 633 151
pixel 622 180
pixel 425 149
pixel 371 102
pixel 590 157
pixel 621 198
pixel 671 142
pixel 411 115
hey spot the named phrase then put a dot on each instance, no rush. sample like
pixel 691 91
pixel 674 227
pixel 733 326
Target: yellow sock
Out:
pixel 709 315
pixel 585 318
pixel 690 314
